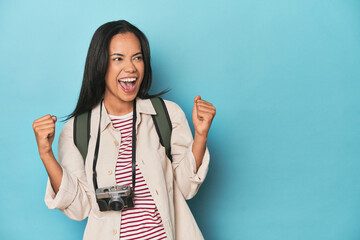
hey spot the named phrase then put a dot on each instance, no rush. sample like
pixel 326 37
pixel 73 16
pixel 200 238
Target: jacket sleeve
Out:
pixel 187 177
pixel 72 197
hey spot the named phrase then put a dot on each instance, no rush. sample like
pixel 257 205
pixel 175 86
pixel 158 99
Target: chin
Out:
pixel 127 97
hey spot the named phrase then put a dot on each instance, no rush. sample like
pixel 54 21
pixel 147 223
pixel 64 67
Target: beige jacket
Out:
pixel 169 183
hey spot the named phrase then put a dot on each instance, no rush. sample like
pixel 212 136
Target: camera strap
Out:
pixel 133 143
pixel 133 148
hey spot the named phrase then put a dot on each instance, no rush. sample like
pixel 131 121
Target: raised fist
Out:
pixel 44 129
pixel 203 114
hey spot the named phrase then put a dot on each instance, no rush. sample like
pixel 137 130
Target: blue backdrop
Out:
pixel 284 76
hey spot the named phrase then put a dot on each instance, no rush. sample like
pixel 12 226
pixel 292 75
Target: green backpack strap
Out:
pixel 82 132
pixel 162 124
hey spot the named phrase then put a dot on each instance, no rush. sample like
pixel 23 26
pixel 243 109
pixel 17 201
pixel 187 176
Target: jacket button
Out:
pixel 114 231
pixel 116 143
pixel 109 172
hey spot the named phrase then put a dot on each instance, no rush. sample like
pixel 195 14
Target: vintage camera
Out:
pixel 115 198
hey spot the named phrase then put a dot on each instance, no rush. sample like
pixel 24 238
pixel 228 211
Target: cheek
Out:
pixel 111 70
pixel 107 83
pixel 110 80
pixel 111 74
pixel 141 69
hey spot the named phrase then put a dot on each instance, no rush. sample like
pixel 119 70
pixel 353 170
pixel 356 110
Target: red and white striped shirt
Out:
pixel 143 221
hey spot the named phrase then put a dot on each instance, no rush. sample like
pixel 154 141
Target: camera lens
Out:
pixel 116 203
pixel 116 206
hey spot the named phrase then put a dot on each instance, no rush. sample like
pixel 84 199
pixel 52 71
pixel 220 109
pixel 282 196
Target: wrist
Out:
pixel 200 137
pixel 47 155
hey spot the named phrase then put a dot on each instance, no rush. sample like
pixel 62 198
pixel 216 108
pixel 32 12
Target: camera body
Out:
pixel 115 198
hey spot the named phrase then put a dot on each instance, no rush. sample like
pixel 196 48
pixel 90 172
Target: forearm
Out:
pixel 53 169
pixel 198 149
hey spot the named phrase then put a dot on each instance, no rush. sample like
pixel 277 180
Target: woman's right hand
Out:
pixel 44 129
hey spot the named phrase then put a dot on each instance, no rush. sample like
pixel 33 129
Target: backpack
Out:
pixel 161 120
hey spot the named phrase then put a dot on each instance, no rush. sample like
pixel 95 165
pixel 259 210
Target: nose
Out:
pixel 130 67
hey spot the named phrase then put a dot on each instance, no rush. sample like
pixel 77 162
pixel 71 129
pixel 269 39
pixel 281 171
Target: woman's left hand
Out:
pixel 203 114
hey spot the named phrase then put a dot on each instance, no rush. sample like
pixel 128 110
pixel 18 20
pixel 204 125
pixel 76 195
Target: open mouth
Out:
pixel 128 84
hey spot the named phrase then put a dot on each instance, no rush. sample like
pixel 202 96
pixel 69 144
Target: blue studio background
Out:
pixel 283 75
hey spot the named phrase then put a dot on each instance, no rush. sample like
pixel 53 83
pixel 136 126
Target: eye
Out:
pixel 117 59
pixel 138 58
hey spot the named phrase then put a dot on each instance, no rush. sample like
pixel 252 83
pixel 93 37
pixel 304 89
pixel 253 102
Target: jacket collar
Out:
pixel 143 106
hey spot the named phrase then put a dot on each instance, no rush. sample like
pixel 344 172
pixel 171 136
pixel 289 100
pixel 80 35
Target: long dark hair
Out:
pixel 93 85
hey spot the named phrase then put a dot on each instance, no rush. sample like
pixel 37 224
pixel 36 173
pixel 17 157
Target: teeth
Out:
pixel 127 80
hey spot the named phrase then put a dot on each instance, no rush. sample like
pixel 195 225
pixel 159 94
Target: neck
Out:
pixel 117 108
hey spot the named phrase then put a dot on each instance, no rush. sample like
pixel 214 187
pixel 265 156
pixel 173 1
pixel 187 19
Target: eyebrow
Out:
pixel 122 55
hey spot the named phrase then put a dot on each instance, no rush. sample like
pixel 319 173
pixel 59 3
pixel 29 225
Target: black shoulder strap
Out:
pixel 82 132
pixel 162 124
pixel 161 120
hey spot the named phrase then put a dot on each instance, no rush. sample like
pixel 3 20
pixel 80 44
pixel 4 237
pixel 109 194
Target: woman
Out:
pixel 115 87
